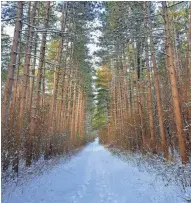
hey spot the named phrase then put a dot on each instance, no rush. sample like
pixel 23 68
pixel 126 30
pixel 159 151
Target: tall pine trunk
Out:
pixel 149 95
pixel 174 88
pixel 158 92
pixel 11 70
pixel 34 117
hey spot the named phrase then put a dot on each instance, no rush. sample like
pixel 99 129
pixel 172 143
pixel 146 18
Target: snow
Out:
pixel 93 175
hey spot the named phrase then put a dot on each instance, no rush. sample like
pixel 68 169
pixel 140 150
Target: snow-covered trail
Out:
pixel 93 176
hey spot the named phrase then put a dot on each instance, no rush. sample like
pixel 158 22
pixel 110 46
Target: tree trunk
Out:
pixel 158 93
pixel 149 95
pixel 56 77
pixel 175 95
pixel 34 117
pixel 11 70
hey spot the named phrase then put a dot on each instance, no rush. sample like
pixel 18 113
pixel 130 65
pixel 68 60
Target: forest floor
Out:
pixel 96 175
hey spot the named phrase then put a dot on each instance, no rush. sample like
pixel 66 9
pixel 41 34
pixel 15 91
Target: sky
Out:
pixel 9 30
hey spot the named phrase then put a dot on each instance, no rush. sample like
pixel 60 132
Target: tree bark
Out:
pixel 149 95
pixel 34 117
pixel 174 88
pixel 158 93
pixel 11 70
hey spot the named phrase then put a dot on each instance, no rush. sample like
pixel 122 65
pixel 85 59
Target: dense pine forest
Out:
pixel 144 84
pixel 46 79
pixel 96 101
pixel 134 90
